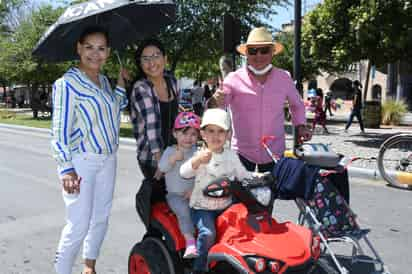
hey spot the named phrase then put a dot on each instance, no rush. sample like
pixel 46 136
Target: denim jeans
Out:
pixel 87 212
pixel 355 113
pixel 204 221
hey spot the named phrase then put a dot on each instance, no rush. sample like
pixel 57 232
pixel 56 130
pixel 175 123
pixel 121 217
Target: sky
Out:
pixel 285 15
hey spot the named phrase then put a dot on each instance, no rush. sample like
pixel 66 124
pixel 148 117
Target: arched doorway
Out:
pixel 341 88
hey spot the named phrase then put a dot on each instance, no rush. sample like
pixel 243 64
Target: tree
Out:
pixel 196 37
pixel 284 60
pixel 17 64
pixel 193 41
pixel 342 32
pixel 8 14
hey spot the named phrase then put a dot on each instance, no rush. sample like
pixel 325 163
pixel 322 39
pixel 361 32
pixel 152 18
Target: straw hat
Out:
pixel 258 37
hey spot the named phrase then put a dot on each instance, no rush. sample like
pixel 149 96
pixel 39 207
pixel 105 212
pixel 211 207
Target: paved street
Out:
pixel 32 212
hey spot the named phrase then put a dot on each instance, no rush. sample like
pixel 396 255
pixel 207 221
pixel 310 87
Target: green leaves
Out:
pixel 284 60
pixel 16 62
pixel 341 32
pixel 193 43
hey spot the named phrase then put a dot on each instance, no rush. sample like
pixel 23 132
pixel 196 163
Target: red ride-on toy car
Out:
pixel 248 239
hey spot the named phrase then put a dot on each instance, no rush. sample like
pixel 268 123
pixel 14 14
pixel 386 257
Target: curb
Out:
pixel 122 140
pixel 363 173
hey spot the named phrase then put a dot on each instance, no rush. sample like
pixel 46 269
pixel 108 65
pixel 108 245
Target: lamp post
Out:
pixel 297 46
pixel 297 58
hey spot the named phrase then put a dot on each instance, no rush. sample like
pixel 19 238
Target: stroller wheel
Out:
pixel 150 257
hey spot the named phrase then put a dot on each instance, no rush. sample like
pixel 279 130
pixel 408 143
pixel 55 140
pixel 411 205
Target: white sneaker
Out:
pixel 190 252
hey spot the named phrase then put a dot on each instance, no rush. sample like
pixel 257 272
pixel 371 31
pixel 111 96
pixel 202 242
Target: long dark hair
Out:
pixel 138 54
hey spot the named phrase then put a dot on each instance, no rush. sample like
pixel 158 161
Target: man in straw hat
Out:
pixel 256 95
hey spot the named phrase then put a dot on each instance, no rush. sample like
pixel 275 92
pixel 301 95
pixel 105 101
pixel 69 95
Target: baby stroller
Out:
pixel 310 180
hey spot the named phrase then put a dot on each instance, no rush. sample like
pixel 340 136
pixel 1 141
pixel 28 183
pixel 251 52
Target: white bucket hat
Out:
pixel 217 117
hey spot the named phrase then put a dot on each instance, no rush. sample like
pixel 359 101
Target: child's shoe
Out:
pixel 190 252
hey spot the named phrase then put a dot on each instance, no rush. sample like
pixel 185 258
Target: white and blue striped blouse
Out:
pixel 86 118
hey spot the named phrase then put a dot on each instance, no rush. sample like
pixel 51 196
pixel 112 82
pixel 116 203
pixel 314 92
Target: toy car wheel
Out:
pixel 323 266
pixel 139 261
pixel 150 257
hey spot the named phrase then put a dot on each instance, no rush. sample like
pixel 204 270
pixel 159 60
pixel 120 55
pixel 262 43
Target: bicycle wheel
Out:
pixel 395 161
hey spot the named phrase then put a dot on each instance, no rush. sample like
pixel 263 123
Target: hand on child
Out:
pixel 219 97
pixel 179 156
pixel 187 194
pixel 158 174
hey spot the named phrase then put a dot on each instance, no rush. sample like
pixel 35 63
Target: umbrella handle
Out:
pixel 118 58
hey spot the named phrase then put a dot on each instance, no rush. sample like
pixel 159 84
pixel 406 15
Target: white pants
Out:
pixel 87 212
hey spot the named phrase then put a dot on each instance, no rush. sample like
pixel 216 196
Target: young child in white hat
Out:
pixel 212 161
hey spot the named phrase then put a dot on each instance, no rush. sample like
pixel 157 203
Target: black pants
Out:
pixel 198 109
pixel 328 108
pixel 151 191
pixel 251 166
pixel 158 186
pixel 357 113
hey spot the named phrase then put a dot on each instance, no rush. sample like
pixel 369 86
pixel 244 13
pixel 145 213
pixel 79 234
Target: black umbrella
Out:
pixel 127 21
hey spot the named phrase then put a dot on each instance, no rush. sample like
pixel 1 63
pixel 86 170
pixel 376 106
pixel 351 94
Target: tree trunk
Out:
pixel 398 96
pixel 34 99
pixel 4 92
pixel 366 87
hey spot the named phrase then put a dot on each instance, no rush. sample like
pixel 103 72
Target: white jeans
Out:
pixel 87 212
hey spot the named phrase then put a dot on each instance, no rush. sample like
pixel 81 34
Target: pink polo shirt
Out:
pixel 258 109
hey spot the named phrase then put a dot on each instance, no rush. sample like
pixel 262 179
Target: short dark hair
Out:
pixel 138 54
pixel 92 30
pixel 357 83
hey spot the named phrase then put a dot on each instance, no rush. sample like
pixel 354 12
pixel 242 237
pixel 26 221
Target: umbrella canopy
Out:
pixel 126 21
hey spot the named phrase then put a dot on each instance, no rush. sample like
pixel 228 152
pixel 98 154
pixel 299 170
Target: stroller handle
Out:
pixel 265 138
pixel 264 142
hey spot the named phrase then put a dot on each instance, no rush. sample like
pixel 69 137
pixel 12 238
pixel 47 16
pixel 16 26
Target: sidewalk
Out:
pixel 355 144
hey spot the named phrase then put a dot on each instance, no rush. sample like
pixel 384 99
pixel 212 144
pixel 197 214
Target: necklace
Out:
pixel 93 78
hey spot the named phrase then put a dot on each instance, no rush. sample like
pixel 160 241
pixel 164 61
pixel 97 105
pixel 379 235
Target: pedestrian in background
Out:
pixel 208 92
pixel 328 103
pixel 356 106
pixel 320 114
pixel 197 98
pixel 85 139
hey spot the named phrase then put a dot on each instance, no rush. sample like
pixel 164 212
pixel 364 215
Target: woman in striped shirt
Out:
pixel 85 138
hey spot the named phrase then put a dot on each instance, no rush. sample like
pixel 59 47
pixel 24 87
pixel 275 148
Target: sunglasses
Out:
pixel 151 58
pixel 262 50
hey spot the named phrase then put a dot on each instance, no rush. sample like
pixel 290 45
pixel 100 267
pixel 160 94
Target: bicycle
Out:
pixel 395 161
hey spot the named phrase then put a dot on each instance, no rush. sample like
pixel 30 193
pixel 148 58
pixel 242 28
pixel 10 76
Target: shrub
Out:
pixel 393 111
pixel 5 114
